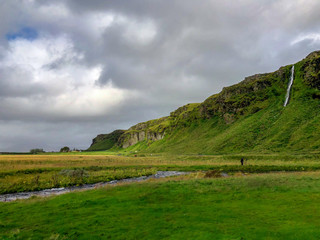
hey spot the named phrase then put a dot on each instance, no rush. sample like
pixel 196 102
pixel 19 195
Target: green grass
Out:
pixel 273 206
pixel 187 207
pixel 105 144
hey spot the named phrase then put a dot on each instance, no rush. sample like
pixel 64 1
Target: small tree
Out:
pixel 65 149
pixel 36 150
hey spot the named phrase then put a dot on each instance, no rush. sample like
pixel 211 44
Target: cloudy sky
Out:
pixel 71 69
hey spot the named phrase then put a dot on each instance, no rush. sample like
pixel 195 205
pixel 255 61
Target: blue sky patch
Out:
pixel 25 33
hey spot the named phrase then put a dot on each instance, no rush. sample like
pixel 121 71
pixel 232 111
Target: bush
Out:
pixel 74 173
pixel 65 149
pixel 212 174
pixel 36 150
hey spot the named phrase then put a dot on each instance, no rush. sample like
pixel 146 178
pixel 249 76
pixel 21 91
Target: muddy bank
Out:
pixel 57 191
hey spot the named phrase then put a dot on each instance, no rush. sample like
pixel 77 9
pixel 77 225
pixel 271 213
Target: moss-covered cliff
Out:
pixel 106 141
pixel 247 116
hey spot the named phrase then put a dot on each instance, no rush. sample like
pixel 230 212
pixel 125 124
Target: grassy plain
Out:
pixel 34 172
pixel 258 206
pixel 270 197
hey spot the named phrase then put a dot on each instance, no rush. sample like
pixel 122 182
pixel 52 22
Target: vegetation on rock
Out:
pixel 246 117
pixel 105 141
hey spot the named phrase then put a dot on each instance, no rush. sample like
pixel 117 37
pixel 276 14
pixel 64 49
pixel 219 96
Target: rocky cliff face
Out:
pixel 229 104
pixel 311 70
pixel 155 130
pixel 133 138
pixel 147 131
pixel 233 101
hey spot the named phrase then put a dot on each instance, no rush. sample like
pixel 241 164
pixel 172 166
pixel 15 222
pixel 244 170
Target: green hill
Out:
pixel 105 141
pixel 246 117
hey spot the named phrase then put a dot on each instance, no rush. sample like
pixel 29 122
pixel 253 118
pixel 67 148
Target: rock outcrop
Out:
pixel 311 70
pixel 152 130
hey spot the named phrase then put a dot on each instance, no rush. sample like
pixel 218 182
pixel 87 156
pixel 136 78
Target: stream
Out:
pixel 57 191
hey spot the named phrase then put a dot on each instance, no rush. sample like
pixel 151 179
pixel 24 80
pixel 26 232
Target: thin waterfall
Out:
pixel 289 87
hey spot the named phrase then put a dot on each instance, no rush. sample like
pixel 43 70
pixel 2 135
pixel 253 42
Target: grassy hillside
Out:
pixel 105 141
pixel 246 117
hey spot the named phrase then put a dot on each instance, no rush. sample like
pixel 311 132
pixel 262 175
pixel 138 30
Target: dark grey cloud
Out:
pixel 94 66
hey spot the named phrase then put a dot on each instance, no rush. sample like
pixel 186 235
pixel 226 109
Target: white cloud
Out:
pixel 313 37
pixel 54 11
pixel 67 87
pixel 98 22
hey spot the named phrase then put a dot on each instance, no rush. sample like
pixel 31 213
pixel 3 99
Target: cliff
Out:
pixel 106 141
pixel 223 122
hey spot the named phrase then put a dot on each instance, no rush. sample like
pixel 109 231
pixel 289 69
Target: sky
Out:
pixel 72 69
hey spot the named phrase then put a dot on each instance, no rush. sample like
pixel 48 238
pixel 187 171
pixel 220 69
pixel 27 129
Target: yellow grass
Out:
pixel 21 162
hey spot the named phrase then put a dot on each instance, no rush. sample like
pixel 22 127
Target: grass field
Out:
pixel 270 197
pixel 35 172
pixel 258 206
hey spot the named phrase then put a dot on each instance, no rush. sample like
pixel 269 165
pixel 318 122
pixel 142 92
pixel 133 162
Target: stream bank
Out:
pixel 57 191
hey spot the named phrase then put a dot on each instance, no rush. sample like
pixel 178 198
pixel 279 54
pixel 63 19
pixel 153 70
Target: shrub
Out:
pixel 55 180
pixel 65 149
pixel 74 173
pixel 212 174
pixel 37 150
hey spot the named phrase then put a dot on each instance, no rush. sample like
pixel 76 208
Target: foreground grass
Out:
pixel 266 206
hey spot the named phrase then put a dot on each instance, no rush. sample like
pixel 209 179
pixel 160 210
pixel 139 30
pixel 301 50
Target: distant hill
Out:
pixel 246 117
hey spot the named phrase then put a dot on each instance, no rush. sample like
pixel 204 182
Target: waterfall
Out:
pixel 289 87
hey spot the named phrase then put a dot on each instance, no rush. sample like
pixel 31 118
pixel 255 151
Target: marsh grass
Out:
pixel 22 162
pixel 35 172
pixel 64 178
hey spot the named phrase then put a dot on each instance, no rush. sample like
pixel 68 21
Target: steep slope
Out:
pixel 246 117
pixel 105 141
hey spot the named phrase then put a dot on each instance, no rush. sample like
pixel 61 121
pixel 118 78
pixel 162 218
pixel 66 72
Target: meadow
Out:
pixel 257 206
pixel 20 173
pixel 270 197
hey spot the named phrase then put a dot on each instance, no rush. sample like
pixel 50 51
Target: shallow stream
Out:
pixel 57 191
